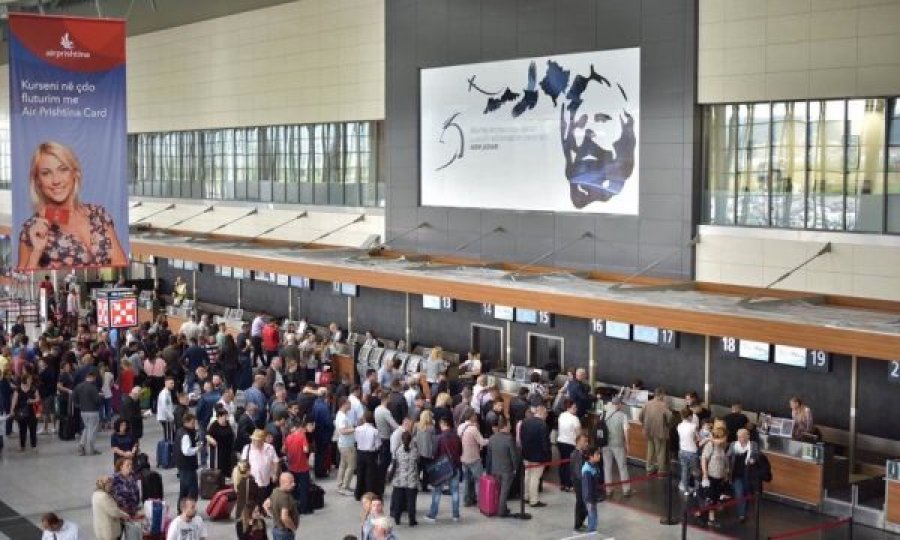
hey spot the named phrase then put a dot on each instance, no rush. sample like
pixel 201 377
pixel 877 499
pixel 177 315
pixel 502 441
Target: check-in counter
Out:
pixel 892 495
pixel 799 469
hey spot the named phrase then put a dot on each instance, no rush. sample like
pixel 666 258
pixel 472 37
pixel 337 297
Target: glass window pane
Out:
pixel 788 164
pixel 825 200
pixel 754 124
pixel 865 164
pixel 893 164
pixel 719 177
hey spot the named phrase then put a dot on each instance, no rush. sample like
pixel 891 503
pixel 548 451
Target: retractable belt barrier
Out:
pixel 814 528
pixel 715 507
pixel 548 463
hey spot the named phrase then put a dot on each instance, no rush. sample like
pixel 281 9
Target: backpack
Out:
pixel 763 468
pixel 603 432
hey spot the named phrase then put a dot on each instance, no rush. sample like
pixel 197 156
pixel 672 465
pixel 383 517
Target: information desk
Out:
pixel 892 495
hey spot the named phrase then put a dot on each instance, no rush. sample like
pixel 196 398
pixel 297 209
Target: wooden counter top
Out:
pixel 795 478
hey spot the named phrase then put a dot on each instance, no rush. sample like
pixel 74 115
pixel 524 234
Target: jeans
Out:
pixel 565 474
pixel 615 455
pixel 282 534
pixel 533 483
pixel 592 517
pixel 301 491
pixel 471 474
pixel 741 489
pixel 453 484
pixel 187 485
pixel 89 433
pixel 580 508
pixel 688 462
pixel 105 410
pixel 345 469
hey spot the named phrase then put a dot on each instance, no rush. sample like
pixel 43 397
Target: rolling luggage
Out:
pixel 165 451
pixel 211 480
pixel 156 514
pixel 151 485
pixel 316 497
pixel 68 424
pixel 489 495
pixel 222 504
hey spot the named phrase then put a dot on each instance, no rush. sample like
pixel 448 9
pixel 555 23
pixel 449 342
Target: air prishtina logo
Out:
pixel 597 163
pixel 66 42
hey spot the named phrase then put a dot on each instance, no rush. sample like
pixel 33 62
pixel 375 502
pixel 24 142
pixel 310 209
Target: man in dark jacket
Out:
pixel 187 446
pixel 534 438
pixel 131 412
pixel 246 424
pixel 503 461
pixel 580 393
pixel 86 399
pixel 324 421
pixel 575 465
pixel 450 445
pixel 518 407
pixel 397 403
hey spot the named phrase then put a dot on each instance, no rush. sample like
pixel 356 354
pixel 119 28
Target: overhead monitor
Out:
pixel 504 313
pixel 349 289
pixel 300 282
pixel 526 316
pixel 754 350
pixel 790 356
pixel 431 302
pixel 646 334
pixel 618 330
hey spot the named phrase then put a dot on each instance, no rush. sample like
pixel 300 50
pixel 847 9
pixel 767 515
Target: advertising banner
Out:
pixel 556 133
pixel 69 142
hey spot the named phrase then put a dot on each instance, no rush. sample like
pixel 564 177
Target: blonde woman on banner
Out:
pixel 64 232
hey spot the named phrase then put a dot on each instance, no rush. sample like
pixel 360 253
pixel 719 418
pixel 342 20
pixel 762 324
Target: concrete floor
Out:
pixel 56 479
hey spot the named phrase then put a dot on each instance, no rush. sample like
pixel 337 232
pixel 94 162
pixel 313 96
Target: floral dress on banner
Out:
pixel 65 250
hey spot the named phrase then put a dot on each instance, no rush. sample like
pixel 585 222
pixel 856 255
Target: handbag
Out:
pixel 440 471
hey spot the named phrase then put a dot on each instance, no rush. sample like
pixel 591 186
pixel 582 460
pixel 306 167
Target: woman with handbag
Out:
pixel 742 457
pixel 714 466
pixel 25 404
pixel 406 480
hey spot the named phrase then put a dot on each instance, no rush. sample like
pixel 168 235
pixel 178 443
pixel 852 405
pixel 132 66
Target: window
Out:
pixel 272 164
pixel 821 164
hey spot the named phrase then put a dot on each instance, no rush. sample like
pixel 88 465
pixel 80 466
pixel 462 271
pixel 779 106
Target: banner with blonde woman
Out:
pixel 69 142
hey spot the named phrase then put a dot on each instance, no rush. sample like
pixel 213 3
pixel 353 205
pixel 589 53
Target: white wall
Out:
pixel 759 50
pixel 858 265
pixel 303 62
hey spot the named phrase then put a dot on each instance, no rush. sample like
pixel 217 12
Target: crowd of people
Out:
pixel 265 409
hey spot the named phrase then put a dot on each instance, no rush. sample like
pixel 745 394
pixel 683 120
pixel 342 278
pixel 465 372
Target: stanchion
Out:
pixel 756 516
pixel 522 513
pixel 850 524
pixel 684 522
pixel 669 519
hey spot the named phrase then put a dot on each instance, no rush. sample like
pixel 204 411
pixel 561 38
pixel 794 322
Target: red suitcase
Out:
pixel 489 495
pixel 222 504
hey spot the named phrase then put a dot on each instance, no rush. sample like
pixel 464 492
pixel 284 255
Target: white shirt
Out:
pixel 568 427
pixel 179 529
pixel 357 410
pixel 341 422
pixel 476 396
pixel 410 396
pixel 687 436
pixel 69 531
pixel 367 439
pixel 165 407
pixel 186 447
pixel 72 304
pixel 106 388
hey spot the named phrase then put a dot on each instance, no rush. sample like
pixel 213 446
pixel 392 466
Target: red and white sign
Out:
pixel 117 313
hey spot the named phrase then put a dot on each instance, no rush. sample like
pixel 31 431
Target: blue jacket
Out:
pixel 255 395
pixel 321 415
pixel 579 395
pixel 590 476
pixel 206 406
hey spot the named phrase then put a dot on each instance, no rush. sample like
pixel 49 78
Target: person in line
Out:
pixel 107 516
pixel 188 525
pixel 472 443
pixel 324 431
pixel 742 456
pixel 264 464
pixel 656 417
pixel 125 487
pixel 131 412
pixel 56 528
pixel 165 408
pixel 575 464
pixel 534 439
pixel 296 449
pixel 568 429
pixel 504 462
pixel 220 437
pixel 590 474
pixel 25 401
pixel 346 444
pixel 425 440
pixel 87 399
pixel 714 467
pixel 368 448
pixel 449 445
pixel 383 529
pixel 123 444
pixel 47 390
pixel 375 511
pixel 187 447
pixel 615 453
pixel 283 507
pixel 406 480
pixel 687 449
pixel 735 420
pixel 64 231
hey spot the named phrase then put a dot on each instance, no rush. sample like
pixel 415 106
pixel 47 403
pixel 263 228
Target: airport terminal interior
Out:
pixel 618 269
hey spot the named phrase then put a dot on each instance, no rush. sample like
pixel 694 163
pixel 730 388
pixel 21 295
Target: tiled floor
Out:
pixel 57 479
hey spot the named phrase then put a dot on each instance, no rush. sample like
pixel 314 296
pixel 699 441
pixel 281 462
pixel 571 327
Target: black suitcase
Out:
pixel 211 480
pixel 316 497
pixel 68 428
pixel 151 485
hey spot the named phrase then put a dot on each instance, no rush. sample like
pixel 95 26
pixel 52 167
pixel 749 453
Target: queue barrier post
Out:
pixel 522 513
pixel 756 512
pixel 669 519
pixel 684 522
